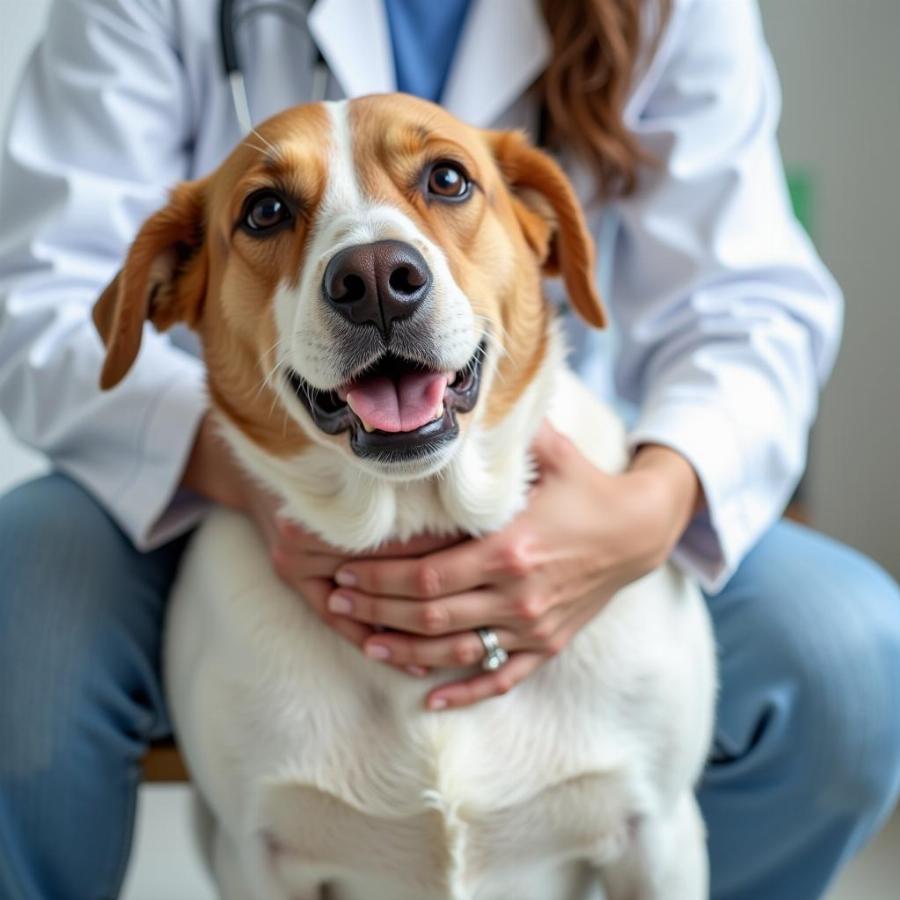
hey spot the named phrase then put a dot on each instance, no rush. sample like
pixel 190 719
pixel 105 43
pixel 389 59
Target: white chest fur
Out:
pixel 322 768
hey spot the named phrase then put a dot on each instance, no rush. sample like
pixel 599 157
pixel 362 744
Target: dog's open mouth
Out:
pixel 396 408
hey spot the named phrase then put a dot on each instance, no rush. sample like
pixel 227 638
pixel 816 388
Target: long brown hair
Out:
pixel 596 48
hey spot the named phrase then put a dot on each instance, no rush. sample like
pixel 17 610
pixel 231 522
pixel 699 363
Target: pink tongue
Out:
pixel 402 405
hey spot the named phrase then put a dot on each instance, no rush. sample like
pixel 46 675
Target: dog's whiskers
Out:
pixel 267 378
pixel 276 151
pixel 268 381
pixel 261 150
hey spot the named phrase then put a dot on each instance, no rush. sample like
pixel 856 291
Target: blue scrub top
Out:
pixel 424 35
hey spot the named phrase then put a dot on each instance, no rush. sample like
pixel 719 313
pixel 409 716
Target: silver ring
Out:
pixel 494 655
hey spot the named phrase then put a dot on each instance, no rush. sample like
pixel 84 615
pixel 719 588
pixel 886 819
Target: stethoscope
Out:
pixel 231 63
pixel 292 9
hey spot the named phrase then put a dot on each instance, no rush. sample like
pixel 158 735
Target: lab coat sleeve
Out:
pixel 98 134
pixel 729 323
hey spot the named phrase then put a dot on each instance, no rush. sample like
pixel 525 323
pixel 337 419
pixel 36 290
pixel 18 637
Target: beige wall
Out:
pixel 840 69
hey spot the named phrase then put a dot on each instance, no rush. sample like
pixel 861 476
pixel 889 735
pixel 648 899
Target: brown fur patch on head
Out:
pixel 287 153
pixel 192 263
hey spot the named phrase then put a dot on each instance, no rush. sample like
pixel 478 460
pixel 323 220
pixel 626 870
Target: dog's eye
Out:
pixel 449 181
pixel 264 211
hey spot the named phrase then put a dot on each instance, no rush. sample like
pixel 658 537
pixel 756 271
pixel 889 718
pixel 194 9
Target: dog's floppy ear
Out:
pixel 551 219
pixel 163 281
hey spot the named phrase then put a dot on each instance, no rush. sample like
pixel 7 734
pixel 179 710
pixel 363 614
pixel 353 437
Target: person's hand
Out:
pixel 584 535
pixel 302 560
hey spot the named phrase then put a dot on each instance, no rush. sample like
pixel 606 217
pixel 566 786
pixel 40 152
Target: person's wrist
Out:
pixel 671 494
pixel 211 472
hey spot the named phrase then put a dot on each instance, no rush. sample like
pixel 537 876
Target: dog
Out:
pixel 366 280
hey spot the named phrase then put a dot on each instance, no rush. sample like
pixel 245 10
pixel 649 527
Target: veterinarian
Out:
pixel 726 326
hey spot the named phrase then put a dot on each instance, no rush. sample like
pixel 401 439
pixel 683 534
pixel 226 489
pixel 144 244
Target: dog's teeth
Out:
pixel 363 422
pixel 438 411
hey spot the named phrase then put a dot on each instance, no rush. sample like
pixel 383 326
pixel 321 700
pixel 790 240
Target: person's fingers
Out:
pixel 485 685
pixel 315 592
pixel 295 535
pixel 551 449
pixel 453 651
pixel 293 566
pixel 417 546
pixel 507 555
pixel 461 612
pixel 298 553
pixel 451 571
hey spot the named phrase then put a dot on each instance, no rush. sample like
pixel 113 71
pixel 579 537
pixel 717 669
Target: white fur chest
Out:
pixel 521 790
pixel 327 735
pixel 337 775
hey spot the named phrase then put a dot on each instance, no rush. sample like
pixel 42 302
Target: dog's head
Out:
pixel 363 275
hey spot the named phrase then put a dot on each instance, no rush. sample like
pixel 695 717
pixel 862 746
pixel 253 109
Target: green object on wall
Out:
pixel 802 190
pixel 801 186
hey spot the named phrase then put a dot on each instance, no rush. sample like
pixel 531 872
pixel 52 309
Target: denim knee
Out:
pixel 860 712
pixel 80 621
pixel 830 668
pixel 80 615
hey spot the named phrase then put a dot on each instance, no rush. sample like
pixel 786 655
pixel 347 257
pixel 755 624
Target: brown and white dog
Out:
pixel 366 282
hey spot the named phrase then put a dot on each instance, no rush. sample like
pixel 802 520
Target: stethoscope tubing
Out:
pixel 231 63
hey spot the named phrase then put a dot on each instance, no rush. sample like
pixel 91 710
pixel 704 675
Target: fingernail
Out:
pixel 378 651
pixel 437 703
pixel 345 578
pixel 418 671
pixel 340 603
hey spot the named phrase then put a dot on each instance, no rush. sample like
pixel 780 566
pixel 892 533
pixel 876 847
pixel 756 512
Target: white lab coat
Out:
pixel 726 322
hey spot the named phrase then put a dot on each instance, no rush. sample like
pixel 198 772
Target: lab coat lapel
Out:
pixel 354 38
pixel 504 46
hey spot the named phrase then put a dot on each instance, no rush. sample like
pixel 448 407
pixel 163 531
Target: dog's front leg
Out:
pixel 666 858
pixel 247 870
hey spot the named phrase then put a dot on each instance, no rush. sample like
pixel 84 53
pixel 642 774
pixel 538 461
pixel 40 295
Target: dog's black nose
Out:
pixel 377 283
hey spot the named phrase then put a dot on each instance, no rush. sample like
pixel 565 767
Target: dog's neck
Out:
pixel 483 486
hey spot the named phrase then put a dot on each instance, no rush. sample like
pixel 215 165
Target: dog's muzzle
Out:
pixel 396 409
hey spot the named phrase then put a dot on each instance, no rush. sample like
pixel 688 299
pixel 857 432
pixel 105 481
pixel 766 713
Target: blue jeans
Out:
pixel 805 767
